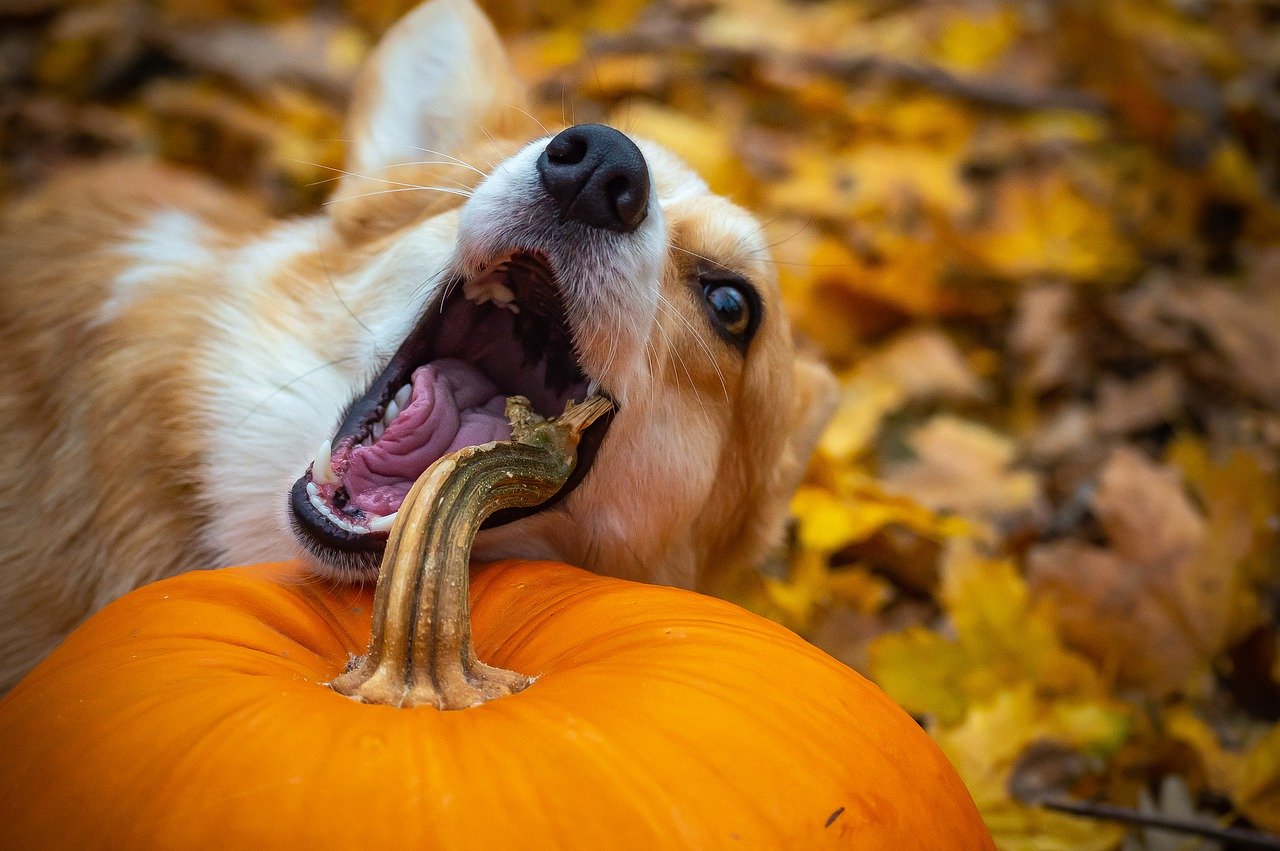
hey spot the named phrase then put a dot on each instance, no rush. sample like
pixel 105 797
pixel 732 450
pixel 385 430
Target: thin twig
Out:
pixel 987 91
pixel 1192 827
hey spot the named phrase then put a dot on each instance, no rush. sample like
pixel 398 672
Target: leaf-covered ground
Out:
pixel 1038 241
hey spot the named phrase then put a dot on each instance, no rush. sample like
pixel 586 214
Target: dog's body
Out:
pixel 172 357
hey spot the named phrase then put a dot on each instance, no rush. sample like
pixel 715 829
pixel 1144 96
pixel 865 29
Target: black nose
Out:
pixel 598 177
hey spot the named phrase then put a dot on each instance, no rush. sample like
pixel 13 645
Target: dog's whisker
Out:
pixel 365 175
pixel 341 173
pixel 444 189
pixel 324 266
pixel 693 385
pixel 803 227
pixel 528 114
pixel 703 257
pixel 284 388
pixel 450 157
pixel 701 344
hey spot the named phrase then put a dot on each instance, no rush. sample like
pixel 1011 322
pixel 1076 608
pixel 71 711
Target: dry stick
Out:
pixel 1177 824
pixel 420 651
pixel 986 91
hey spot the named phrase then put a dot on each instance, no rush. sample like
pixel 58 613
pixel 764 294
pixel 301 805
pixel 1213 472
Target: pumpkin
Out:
pixel 194 712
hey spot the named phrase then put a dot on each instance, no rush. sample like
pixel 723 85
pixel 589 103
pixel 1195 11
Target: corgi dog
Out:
pixel 187 383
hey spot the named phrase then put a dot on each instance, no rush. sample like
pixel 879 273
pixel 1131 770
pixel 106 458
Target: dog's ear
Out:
pixel 438 78
pixel 816 394
pixel 438 81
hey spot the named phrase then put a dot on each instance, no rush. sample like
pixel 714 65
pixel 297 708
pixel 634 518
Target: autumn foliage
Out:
pixel 1039 242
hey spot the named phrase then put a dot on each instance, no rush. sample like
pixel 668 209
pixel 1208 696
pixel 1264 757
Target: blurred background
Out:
pixel 1039 243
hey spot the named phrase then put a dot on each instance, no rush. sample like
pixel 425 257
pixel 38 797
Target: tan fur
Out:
pixel 116 370
pixel 97 469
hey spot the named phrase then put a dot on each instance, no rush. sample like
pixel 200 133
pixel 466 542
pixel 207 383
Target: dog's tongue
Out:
pixel 453 405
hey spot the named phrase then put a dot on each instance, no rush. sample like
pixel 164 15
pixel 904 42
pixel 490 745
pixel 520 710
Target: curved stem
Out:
pixel 420 651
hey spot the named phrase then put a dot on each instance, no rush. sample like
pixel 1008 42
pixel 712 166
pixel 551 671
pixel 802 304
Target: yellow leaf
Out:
pixel 921 671
pixel 1222 767
pixel 969 42
pixel 1257 792
pixel 984 748
pixel 864 403
pixel 1049 227
pixel 858 589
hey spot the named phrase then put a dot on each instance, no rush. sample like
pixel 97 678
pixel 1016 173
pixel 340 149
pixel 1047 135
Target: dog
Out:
pixel 187 383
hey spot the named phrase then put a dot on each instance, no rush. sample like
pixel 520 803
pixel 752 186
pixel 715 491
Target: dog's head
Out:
pixel 580 261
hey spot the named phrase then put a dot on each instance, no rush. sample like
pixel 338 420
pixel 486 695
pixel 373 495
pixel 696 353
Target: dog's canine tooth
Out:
pixel 392 410
pixel 486 289
pixel 403 396
pixel 501 294
pixel 476 290
pixel 382 524
pixel 322 466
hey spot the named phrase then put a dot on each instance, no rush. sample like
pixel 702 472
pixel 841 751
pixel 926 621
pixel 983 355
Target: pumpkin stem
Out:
pixel 420 651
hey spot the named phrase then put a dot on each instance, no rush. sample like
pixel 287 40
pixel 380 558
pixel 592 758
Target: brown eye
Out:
pixel 730 307
pixel 733 306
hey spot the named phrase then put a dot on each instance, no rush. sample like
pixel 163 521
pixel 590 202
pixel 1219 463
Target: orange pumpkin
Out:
pixel 190 714
pixel 194 713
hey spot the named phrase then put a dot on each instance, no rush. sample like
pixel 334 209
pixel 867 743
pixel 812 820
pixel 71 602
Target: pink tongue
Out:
pixel 453 405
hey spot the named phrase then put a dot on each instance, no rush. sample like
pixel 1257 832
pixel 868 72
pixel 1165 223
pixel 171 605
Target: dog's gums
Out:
pixel 502 333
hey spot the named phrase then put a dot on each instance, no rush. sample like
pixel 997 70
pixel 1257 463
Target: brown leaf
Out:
pixel 1041 335
pixel 1226 334
pixel 1146 513
pixel 317 50
pixel 969 469
pixel 1108 610
pixel 1124 407
pixel 1149 606
pixel 925 364
pixel 1245 334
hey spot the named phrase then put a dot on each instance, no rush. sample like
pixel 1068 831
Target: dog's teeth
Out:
pixel 475 290
pixel 382 524
pixel 488 289
pixel 375 432
pixel 402 397
pixel 322 467
pixel 501 294
pixel 392 410
pixel 319 504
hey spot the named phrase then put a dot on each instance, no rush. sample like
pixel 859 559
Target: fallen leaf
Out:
pixel 1124 407
pixel 969 469
pixel 1043 337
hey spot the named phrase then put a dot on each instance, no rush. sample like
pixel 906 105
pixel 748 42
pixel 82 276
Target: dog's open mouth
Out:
pixel 501 334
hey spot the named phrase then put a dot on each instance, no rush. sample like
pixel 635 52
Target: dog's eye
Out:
pixel 729 306
pixel 733 307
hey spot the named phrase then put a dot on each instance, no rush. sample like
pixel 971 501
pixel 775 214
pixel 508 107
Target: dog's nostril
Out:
pixel 597 176
pixel 617 186
pixel 567 149
pixel 629 204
